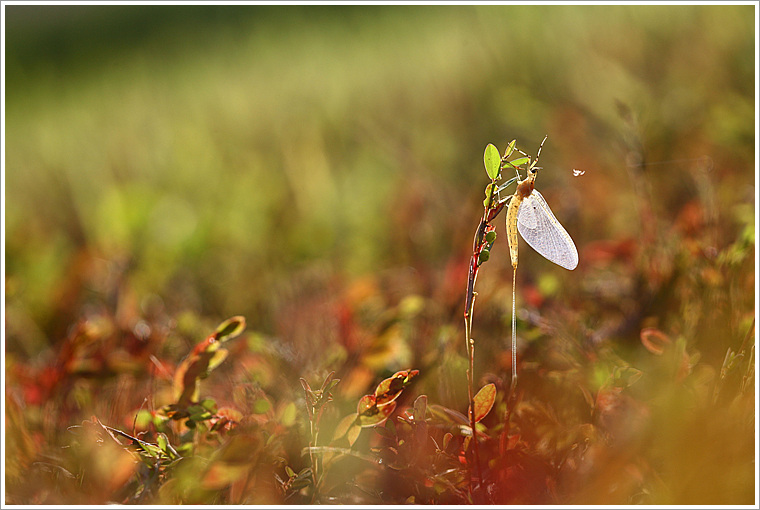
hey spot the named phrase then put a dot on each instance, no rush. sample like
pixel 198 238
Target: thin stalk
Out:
pixel 470 389
pixel 491 211
pixel 513 383
pixel 514 334
pixel 313 429
pixel 493 207
pixel 313 444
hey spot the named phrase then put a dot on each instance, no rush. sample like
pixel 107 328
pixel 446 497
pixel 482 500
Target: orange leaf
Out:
pixel 389 389
pixel 483 401
pixel 367 405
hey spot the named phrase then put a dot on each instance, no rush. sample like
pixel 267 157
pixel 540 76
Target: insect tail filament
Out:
pixel 514 332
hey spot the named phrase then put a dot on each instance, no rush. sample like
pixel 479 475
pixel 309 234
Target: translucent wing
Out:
pixel 541 230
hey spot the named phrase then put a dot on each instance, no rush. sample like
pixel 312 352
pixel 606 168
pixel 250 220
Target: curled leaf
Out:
pixel 230 328
pixel 654 340
pixel 216 360
pixel 376 416
pixel 447 437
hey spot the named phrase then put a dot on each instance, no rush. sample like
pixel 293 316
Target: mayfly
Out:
pixel 529 214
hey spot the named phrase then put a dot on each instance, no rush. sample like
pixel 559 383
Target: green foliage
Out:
pixel 492 161
pixel 518 162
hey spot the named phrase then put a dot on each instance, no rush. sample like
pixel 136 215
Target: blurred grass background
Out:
pixel 253 160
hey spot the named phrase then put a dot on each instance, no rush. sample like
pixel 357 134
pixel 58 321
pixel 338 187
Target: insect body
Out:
pixel 523 191
pixel 529 214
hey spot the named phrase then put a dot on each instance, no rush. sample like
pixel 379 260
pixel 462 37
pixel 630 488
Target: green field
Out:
pixel 318 170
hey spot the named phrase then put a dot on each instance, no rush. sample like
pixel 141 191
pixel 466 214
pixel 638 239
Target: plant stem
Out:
pixel 313 459
pixel 491 211
pixel 471 391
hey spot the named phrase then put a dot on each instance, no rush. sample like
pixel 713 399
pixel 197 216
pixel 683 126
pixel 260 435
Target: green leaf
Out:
pixel 209 404
pixel 300 483
pixel 484 400
pixel 519 161
pixel 327 380
pixel 150 449
pixel 304 473
pixel 166 446
pixel 196 409
pixel 199 415
pixel 261 406
pixel 490 236
pixel 484 256
pixel 420 408
pixel 290 472
pixel 144 418
pixel 492 161
pixel 510 148
pixel 289 414
pixel 390 426
pixel 353 434
pixel 162 441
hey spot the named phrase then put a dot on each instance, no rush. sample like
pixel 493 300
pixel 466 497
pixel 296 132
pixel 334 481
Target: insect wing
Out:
pixel 541 230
